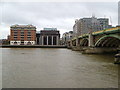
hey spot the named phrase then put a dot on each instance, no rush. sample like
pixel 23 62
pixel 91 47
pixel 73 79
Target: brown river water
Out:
pixel 56 68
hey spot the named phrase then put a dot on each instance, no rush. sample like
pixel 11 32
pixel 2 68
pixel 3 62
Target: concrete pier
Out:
pixel 117 59
pixel 93 50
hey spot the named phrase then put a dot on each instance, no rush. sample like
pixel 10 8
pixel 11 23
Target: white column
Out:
pixel 42 40
pixel 52 40
pixel 47 40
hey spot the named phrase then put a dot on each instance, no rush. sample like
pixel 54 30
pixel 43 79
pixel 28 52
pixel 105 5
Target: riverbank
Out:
pixel 32 46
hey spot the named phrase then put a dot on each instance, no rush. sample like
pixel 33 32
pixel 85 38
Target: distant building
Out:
pixel 49 36
pixel 22 35
pixel 66 37
pixel 38 37
pixel 8 37
pixel 4 42
pixel 77 28
pixel 0 41
pixel 86 25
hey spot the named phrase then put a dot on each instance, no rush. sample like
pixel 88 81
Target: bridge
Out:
pixel 103 41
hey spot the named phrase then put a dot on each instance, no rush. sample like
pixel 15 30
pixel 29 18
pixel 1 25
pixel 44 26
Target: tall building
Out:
pixel 76 28
pixel 22 35
pixel 49 36
pixel 86 25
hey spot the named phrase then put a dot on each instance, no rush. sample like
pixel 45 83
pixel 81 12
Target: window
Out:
pixel 15 38
pixel 15 34
pixel 15 30
pixel 29 35
pixel 15 42
pixel 22 38
pixel 22 33
pixel 29 38
pixel 29 31
pixel 22 30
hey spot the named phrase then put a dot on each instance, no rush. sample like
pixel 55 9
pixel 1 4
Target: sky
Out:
pixel 60 15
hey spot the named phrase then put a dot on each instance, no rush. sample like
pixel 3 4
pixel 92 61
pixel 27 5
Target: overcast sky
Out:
pixel 60 15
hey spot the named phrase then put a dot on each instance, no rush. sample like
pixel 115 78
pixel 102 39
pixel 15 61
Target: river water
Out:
pixel 56 68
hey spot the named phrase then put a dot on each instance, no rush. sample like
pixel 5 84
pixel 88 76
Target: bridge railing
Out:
pixel 110 30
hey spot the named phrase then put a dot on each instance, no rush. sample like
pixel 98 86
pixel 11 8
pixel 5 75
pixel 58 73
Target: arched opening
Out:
pixel 15 43
pixel 84 42
pixel 108 41
pixel 29 43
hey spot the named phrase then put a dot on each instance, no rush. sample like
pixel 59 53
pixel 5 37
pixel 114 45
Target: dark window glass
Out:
pixel 22 33
pixel 28 38
pixel 29 35
pixel 22 38
pixel 15 38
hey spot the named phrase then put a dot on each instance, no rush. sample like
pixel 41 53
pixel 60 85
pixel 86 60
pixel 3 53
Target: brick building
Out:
pixel 22 35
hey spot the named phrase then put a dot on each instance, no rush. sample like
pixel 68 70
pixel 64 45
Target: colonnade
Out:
pixel 50 40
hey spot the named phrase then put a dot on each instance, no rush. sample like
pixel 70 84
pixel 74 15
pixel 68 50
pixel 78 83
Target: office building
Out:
pixel 49 36
pixel 87 25
pixel 22 35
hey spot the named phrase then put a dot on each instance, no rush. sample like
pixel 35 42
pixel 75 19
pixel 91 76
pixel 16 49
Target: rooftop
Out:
pixel 50 29
pixel 16 25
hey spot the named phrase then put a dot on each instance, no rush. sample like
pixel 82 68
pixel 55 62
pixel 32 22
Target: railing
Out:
pixel 99 32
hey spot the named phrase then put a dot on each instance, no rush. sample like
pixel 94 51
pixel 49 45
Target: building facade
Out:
pixel 76 28
pixel 49 36
pixel 38 37
pixel 66 37
pixel 22 35
pixel 86 25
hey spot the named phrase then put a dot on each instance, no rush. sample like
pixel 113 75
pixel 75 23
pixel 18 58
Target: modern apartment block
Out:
pixel 86 25
pixel 77 28
pixel 49 36
pixel 22 35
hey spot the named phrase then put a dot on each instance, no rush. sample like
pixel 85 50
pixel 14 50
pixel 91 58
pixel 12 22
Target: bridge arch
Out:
pixel 84 42
pixel 108 41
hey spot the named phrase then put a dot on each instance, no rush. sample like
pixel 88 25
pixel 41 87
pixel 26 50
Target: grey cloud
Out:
pixel 60 15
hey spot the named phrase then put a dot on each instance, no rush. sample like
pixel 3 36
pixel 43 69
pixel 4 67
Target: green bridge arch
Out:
pixel 84 42
pixel 102 38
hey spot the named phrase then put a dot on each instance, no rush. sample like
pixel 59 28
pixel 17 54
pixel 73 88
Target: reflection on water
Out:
pixel 57 68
